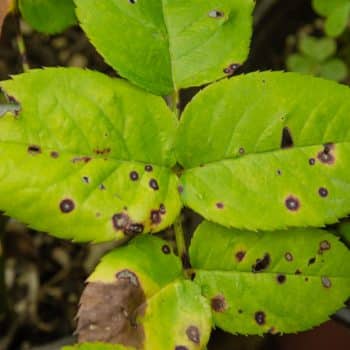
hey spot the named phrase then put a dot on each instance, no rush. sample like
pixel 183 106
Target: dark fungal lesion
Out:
pixel 67 205
pixel 231 69
pixel 287 139
pixel 216 14
pixel 260 318
pixel 262 264
pixel 218 303
pixel 34 149
pixel 326 156
pixel 193 334
pixel 292 203
pixel 122 222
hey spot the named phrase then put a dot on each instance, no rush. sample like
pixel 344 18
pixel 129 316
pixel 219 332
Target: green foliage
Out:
pixel 262 282
pixel 258 154
pixel 143 281
pixel 165 45
pixel 48 16
pixel 80 154
pixel 316 57
pixel 337 13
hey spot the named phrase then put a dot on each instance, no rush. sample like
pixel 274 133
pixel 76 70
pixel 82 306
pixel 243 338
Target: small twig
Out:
pixel 22 48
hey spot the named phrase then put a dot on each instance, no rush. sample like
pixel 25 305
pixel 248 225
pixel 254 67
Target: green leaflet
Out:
pixel 48 16
pixel 184 42
pixel 93 153
pixel 138 297
pixel 267 151
pixel 278 282
pixel 337 13
pixel 96 346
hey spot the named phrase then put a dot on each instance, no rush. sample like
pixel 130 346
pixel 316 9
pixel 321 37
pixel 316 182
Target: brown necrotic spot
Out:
pixel 166 249
pixel 323 192
pixel 292 203
pixel 181 347
pixel 156 217
pixel 262 264
pixel 288 256
pixel 34 149
pixel 134 176
pixel 193 334
pixel 109 311
pixel 180 189
pixel 162 209
pixel 260 318
pixel 298 272
pixel 128 276
pixel 102 151
pixel 281 279
pixel 122 222
pixel 54 154
pixel 324 246
pixel 148 168
pixel 241 151
pixel 218 303
pixel 220 205
pixel 231 69
pixel 240 255
pixel 326 282
pixel 216 14
pixel 326 156
pixel 83 159
pixel 287 139
pixel 154 184
pixel 67 205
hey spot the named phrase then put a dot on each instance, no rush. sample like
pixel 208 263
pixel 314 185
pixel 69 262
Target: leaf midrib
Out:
pixel 249 155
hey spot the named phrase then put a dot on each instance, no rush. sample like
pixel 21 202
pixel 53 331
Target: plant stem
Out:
pixel 22 48
pixel 174 103
pixel 180 241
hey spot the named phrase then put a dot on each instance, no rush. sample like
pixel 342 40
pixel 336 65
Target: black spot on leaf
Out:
pixel 181 347
pixel 312 161
pixel 101 187
pixel 240 255
pixel 260 318
pixel 312 261
pixel 180 189
pixel 122 222
pixel 148 168
pixel 292 203
pixel 193 334
pixel 166 249
pixel 162 209
pixel 67 205
pixel 54 154
pixel 86 179
pixel 34 149
pixel 154 184
pixel 218 303
pixel 156 217
pixel 83 159
pixel 241 151
pixel 262 264
pixel 133 1
pixel 281 279
pixel 323 192
pixel 134 176
pixel 287 140
pixel 298 272
pixel 326 156
pixel 220 205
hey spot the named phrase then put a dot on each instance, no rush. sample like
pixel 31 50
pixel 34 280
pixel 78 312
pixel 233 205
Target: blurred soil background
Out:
pixel 45 276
